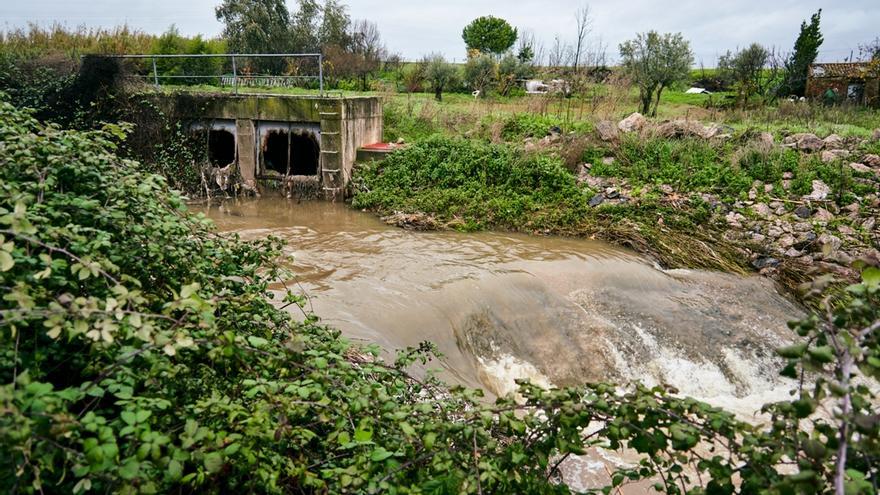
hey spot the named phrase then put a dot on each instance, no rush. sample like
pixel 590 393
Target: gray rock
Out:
pixel 846 230
pixel 820 191
pixel 611 193
pixel 805 241
pixel 802 212
pixel 871 161
pixel 876 135
pixel 597 199
pixel 765 262
pixel 666 189
pixel 734 219
pixel 765 141
pixel 635 122
pixel 787 175
pixel 793 253
pixel 762 210
pixel 833 141
pixel 774 231
pixel 861 167
pixel 830 241
pixel 869 224
pixel 804 141
pixel 606 130
pixel 832 155
pixel 608 160
pixel 823 215
pixel 786 241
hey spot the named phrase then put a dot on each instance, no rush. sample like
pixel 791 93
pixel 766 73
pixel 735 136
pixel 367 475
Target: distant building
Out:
pixel 857 82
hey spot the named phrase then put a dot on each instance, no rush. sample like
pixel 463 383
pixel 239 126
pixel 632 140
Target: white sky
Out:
pixel 417 27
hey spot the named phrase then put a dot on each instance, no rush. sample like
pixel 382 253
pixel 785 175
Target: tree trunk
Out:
pixel 645 97
pixel 438 93
pixel 657 101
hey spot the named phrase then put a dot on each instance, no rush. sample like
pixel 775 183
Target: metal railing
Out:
pixel 235 79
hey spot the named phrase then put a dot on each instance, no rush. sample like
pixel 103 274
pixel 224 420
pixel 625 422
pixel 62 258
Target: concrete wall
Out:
pixel 345 125
pixel 362 125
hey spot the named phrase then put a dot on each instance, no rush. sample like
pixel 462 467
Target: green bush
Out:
pixel 489 184
pixel 522 125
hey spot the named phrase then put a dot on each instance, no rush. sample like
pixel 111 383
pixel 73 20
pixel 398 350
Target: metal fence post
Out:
pixel 321 74
pixel 234 76
pixel 155 74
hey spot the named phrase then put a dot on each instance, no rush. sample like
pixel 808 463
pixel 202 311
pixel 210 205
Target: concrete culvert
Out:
pixel 221 147
pixel 304 153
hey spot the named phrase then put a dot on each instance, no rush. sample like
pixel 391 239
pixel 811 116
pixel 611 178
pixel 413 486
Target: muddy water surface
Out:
pixel 504 306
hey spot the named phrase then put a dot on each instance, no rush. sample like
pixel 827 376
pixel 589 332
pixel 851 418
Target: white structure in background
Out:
pixel 698 91
pixel 539 87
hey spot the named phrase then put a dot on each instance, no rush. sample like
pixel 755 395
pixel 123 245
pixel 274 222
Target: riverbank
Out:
pixel 686 194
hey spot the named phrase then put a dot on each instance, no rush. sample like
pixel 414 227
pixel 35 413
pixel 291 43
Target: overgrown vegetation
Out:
pixel 141 354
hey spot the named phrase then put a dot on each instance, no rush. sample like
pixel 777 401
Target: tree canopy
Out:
pixel 489 34
pixel 655 62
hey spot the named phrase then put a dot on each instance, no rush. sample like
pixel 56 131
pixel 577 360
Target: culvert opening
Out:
pixel 275 152
pixel 305 153
pixel 221 147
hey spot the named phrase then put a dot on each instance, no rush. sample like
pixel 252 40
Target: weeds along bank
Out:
pixel 728 197
pixel 141 354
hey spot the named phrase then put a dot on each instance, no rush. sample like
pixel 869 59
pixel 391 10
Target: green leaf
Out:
pixel 130 469
pixel 793 351
pixel 6 261
pixel 213 462
pixel 129 417
pixel 822 354
pixel 380 454
pixel 175 470
pixel 871 276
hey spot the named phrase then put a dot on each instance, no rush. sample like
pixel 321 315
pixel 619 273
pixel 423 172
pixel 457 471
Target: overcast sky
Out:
pixel 416 27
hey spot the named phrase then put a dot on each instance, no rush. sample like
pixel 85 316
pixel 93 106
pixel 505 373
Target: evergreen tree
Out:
pixel 806 49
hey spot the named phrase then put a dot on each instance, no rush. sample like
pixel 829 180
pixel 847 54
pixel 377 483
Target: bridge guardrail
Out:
pixel 236 79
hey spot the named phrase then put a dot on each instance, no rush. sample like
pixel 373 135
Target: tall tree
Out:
pixel 304 27
pixel 335 25
pixel 367 48
pixel 806 49
pixel 655 62
pixel 584 23
pixel 745 70
pixel 439 73
pixel 256 26
pixel 489 35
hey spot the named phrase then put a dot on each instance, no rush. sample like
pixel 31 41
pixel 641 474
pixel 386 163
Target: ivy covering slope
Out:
pixel 139 353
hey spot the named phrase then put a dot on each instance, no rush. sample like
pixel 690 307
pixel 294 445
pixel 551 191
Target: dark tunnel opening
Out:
pixel 221 147
pixel 305 153
pixel 275 152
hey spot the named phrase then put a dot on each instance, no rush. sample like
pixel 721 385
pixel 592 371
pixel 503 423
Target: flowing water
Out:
pixel 503 306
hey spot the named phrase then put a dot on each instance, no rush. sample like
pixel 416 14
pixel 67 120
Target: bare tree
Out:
pixel 367 48
pixel 560 53
pixel 584 23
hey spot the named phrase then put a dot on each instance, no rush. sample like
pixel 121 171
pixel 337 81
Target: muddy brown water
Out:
pixel 502 306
